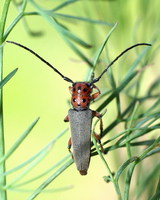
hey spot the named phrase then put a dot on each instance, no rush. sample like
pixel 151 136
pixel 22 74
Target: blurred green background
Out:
pixel 36 90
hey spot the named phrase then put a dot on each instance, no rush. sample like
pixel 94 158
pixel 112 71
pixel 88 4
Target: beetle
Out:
pixel 80 116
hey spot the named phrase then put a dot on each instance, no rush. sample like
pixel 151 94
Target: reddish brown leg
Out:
pixel 95 95
pixel 97 137
pixel 71 89
pixel 97 114
pixel 66 119
pixel 69 147
pixel 101 125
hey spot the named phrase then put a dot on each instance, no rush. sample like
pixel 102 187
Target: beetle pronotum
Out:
pixel 80 116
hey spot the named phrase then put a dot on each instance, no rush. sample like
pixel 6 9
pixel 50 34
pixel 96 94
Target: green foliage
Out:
pixel 137 112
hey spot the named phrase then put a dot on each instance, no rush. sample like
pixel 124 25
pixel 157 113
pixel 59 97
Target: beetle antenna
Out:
pixel 43 60
pixel 123 52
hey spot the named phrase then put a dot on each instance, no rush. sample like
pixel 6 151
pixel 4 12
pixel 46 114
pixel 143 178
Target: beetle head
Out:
pixel 81 95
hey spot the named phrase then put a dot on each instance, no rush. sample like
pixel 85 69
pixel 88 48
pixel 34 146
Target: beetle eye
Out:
pixel 85 90
pixel 74 100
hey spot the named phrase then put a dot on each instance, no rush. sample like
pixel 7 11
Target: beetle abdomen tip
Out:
pixel 83 172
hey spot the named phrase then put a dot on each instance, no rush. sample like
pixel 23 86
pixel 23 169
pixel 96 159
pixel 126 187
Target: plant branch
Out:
pixel 3 194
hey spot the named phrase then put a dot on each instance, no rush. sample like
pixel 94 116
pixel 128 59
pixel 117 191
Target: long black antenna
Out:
pixel 123 52
pixel 43 60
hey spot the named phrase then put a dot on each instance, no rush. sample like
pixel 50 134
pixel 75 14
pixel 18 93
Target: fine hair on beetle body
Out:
pixel 80 116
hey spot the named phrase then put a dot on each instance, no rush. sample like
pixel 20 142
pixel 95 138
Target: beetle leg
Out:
pixel 97 137
pixel 97 114
pixel 66 119
pixel 71 89
pixel 69 147
pixel 95 95
pixel 101 125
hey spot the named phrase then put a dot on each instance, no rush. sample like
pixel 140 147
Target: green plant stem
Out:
pixel 116 186
pixel 13 24
pixel 3 194
pixel 132 166
pixel 129 152
pixel 3 19
pixel 24 4
pixel 16 20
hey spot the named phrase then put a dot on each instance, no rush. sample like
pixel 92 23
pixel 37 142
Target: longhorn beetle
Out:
pixel 80 116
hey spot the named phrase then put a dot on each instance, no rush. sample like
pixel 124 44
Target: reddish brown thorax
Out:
pixel 81 95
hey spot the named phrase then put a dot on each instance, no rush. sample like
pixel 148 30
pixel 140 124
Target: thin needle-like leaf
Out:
pixel 64 4
pixel 58 27
pixel 49 180
pixel 138 60
pixel 117 90
pixel 13 24
pixel 129 76
pixel 8 77
pixel 25 163
pixel 44 173
pixel 65 16
pixel 27 170
pixel 78 52
pixel 131 169
pixel 19 141
pixel 153 173
pixel 107 167
pixel 123 167
pixel 129 125
pixel 99 51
